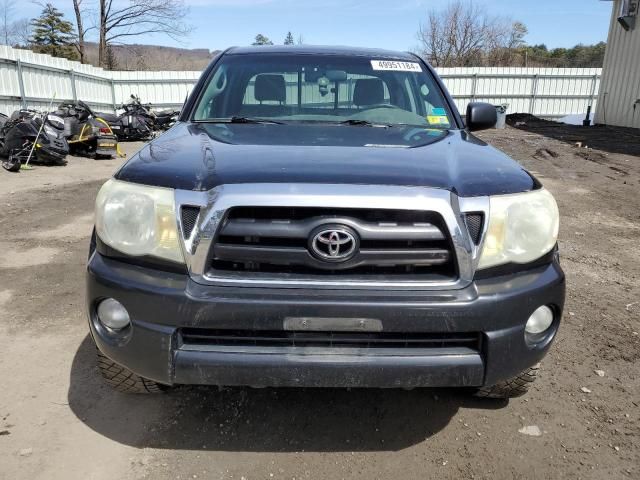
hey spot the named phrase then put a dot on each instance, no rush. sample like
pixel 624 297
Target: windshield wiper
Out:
pixel 363 123
pixel 238 119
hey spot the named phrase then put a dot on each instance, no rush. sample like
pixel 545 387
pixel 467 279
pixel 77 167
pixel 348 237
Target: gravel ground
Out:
pixel 58 420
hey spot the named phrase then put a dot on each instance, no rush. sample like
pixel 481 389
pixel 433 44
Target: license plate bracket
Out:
pixel 332 324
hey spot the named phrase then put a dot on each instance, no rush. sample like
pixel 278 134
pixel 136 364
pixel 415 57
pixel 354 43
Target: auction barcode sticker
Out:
pixel 396 65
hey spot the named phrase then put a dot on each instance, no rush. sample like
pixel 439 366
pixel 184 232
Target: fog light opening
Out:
pixel 113 315
pixel 539 321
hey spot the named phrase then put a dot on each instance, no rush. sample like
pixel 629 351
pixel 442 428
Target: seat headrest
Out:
pixel 270 87
pixel 368 91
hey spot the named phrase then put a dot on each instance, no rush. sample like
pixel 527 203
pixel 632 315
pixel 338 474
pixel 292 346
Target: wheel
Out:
pixel 514 387
pixel 124 380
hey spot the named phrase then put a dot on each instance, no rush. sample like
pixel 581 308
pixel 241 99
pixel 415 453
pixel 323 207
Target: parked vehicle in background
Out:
pixel 161 120
pixel 139 121
pixel 133 124
pixel 28 134
pixel 87 134
pixel 322 217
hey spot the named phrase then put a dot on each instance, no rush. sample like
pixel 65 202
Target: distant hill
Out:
pixel 154 57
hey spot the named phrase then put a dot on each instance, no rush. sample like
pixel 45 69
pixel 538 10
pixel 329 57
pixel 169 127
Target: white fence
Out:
pixel 29 80
pixel 546 92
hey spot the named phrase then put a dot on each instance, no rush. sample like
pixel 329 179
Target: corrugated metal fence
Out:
pixel 546 92
pixel 29 80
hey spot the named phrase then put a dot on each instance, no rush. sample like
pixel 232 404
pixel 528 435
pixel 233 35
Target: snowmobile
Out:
pixel 88 135
pixel 163 119
pixel 134 124
pixel 28 135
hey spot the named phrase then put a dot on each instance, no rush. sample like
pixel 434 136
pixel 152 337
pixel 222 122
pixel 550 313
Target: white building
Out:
pixel 619 96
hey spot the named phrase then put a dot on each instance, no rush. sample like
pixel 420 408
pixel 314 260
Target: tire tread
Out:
pixel 124 380
pixel 511 388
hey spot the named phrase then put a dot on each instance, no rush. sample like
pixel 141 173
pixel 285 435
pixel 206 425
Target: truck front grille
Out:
pixel 280 241
pixel 391 340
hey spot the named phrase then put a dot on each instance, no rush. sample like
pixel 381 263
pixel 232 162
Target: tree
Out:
pixel 288 39
pixel 463 34
pixel 508 47
pixel 580 56
pixel 110 58
pixel 262 40
pixel 77 5
pixel 6 12
pixel 12 32
pixel 119 20
pixel 52 34
pixel 21 32
pixel 516 36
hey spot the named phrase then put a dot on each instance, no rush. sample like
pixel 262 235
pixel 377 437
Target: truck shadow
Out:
pixel 262 420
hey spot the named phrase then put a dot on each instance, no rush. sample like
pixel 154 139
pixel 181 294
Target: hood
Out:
pixel 200 156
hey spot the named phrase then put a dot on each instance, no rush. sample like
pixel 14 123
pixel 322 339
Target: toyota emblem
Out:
pixel 334 244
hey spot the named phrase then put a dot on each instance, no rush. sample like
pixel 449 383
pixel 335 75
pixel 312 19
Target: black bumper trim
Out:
pixel 162 303
pixel 266 370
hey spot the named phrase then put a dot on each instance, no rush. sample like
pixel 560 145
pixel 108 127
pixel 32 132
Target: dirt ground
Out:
pixel 59 421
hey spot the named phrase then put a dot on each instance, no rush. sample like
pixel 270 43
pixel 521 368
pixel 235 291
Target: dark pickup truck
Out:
pixel 323 217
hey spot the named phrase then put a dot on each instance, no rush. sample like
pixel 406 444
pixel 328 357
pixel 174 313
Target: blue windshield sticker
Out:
pixel 438 111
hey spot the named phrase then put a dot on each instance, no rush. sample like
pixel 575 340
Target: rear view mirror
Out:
pixel 336 75
pixel 481 116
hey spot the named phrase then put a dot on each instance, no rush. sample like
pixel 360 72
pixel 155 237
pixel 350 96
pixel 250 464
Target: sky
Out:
pixel 390 24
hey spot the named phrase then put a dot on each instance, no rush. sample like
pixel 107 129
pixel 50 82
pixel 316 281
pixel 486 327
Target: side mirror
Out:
pixel 481 116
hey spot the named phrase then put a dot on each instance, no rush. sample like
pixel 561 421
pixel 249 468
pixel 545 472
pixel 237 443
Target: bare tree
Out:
pixel 464 34
pixel 12 32
pixel 507 49
pixel 77 5
pixel 21 31
pixel 120 20
pixel 6 15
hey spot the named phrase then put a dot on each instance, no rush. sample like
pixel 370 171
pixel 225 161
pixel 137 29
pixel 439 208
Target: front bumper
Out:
pixel 162 304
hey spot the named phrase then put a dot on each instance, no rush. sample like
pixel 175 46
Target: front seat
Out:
pixel 270 87
pixel 367 92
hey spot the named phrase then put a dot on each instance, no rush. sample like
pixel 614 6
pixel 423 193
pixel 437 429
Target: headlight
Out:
pixel 138 220
pixel 522 228
pixel 50 131
pixel 56 121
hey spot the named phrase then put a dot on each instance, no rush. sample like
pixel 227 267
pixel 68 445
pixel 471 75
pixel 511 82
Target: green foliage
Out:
pixel 580 56
pixel 262 40
pixel 289 39
pixel 52 34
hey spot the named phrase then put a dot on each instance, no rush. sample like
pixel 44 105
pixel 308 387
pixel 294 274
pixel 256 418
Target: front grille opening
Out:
pixel 287 214
pixel 443 272
pixel 474 223
pixel 302 242
pixel 278 338
pixel 189 217
pixel 275 240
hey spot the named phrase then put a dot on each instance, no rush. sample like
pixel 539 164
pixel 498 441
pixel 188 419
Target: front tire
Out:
pixel 124 380
pixel 513 387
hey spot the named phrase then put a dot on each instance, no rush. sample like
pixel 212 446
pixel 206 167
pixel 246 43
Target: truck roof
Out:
pixel 321 50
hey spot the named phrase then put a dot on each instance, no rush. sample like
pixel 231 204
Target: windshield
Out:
pixel 345 90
